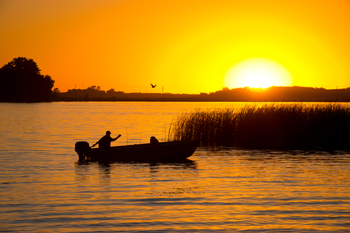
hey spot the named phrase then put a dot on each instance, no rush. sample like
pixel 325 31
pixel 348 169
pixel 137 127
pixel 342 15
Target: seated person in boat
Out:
pixel 154 141
pixel 105 142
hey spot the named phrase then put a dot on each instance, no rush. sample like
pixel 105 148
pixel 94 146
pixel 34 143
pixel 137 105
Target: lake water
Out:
pixel 43 187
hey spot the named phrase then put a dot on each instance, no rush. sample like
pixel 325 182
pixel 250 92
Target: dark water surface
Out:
pixel 43 187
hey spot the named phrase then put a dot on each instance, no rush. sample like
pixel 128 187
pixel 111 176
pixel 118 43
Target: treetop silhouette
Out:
pixel 21 81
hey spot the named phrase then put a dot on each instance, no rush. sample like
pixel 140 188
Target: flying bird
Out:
pixel 153 86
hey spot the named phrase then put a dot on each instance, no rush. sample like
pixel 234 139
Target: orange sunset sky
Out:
pixel 184 46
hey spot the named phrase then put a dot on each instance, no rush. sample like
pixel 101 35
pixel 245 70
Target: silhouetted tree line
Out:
pixel 95 93
pixel 282 94
pixel 272 94
pixel 88 93
pixel 21 81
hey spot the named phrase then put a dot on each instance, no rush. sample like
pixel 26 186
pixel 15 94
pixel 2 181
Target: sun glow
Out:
pixel 257 73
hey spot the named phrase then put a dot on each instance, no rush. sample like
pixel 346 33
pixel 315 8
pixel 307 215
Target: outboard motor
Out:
pixel 82 148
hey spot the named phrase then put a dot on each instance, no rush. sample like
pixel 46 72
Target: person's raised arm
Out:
pixel 117 137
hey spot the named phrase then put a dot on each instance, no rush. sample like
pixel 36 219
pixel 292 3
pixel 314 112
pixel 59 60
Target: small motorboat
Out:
pixel 162 151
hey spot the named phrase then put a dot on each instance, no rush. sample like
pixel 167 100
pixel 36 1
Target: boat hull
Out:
pixel 164 151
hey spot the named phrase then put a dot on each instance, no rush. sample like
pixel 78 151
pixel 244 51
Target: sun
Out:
pixel 257 72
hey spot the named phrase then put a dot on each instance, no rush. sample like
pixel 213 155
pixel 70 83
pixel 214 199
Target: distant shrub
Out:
pixel 280 126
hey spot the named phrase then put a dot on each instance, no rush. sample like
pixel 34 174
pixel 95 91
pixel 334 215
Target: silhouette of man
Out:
pixel 105 142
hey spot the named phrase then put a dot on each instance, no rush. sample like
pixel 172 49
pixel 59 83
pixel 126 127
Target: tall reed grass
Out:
pixel 279 126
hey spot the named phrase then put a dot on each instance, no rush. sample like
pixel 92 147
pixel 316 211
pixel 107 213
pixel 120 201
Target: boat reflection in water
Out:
pixel 107 166
pixel 111 170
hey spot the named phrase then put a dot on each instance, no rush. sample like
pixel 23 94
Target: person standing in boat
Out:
pixel 105 142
